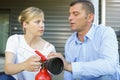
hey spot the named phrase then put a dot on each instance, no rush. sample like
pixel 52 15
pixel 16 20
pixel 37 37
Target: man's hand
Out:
pixel 67 66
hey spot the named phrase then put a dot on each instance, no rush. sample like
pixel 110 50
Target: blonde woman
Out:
pixel 20 59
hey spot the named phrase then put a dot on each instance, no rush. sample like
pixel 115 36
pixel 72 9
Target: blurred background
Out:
pixel 57 28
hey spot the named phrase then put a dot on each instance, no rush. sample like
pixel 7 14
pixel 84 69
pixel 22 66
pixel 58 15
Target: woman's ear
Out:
pixel 24 25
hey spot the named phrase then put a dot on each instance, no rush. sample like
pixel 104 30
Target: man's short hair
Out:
pixel 87 5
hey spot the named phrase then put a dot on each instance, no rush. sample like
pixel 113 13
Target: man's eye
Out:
pixel 76 14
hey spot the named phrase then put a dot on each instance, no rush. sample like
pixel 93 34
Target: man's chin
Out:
pixel 73 29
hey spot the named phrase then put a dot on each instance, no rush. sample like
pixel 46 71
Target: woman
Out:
pixel 20 58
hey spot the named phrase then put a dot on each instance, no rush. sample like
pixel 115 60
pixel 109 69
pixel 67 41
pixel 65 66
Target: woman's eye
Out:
pixel 37 22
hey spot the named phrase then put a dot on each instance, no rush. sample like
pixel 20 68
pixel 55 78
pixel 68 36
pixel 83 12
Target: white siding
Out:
pixel 113 14
pixel 57 28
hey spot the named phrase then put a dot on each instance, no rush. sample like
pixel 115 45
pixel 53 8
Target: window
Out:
pixel 4 29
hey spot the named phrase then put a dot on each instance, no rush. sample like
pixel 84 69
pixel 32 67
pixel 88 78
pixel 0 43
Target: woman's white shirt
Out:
pixel 22 51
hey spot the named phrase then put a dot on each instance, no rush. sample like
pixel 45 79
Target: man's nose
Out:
pixel 70 17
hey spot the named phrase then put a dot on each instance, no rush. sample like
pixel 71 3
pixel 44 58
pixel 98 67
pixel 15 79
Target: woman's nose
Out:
pixel 42 24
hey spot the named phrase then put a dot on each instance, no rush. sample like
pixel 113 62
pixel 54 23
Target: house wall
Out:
pixel 113 14
pixel 57 28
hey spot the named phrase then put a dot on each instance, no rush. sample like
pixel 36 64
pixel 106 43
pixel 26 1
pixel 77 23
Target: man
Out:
pixel 91 52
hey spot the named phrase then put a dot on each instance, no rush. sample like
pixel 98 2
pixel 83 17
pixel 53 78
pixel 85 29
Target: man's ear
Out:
pixel 90 17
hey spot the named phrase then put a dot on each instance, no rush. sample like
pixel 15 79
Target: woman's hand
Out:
pixel 32 64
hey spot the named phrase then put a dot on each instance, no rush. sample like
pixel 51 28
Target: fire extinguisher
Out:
pixel 43 74
pixel 54 66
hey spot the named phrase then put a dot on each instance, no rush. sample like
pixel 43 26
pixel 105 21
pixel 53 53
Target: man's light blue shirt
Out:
pixel 96 56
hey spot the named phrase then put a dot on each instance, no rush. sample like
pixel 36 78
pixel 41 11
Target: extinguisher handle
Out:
pixel 43 58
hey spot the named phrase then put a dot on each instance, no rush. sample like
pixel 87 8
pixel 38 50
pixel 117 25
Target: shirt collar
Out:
pixel 89 35
pixel 91 32
pixel 77 41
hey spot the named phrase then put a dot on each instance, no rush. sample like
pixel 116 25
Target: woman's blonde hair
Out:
pixel 29 14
